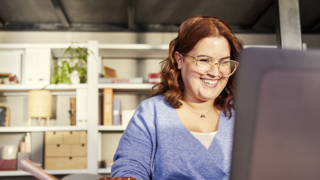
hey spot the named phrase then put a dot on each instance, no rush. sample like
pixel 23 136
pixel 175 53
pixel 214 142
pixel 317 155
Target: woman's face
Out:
pixel 203 87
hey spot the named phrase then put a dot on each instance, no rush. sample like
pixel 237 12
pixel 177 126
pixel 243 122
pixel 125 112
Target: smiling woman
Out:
pixel 185 130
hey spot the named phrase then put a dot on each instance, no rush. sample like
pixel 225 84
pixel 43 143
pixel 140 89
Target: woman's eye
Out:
pixel 226 62
pixel 204 60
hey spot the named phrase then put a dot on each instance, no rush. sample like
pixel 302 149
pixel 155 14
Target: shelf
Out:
pixel 39 45
pixel 133 51
pixel 127 87
pixel 104 171
pixel 111 128
pixel 53 87
pixel 133 46
pixel 41 128
pixel 53 172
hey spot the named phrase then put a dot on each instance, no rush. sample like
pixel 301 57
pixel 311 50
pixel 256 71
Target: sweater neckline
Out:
pixel 198 147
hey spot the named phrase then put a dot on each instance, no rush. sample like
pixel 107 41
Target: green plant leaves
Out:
pixel 61 74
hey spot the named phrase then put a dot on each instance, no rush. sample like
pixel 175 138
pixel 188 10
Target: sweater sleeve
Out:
pixel 133 157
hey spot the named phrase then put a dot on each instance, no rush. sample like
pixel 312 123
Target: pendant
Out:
pixel 202 116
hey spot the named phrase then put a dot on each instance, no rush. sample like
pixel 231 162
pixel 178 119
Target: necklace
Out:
pixel 202 116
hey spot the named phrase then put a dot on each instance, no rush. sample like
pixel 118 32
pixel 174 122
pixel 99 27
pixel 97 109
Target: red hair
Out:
pixel 190 33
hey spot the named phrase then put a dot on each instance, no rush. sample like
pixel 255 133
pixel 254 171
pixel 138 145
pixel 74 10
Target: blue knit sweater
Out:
pixel 156 145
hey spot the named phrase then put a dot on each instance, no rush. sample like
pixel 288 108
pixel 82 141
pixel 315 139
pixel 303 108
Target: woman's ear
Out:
pixel 179 59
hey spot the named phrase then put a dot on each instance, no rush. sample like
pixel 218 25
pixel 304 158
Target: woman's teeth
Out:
pixel 210 82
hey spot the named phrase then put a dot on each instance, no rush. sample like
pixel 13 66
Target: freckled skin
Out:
pixel 195 89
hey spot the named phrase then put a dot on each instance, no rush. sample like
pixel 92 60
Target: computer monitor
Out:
pixel 277 121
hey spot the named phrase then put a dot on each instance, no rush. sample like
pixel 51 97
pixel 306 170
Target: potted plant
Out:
pixel 72 69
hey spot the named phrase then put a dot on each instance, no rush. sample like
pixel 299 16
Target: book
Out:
pixel 116 109
pixel 121 80
pixel 107 107
pixel 27 140
pixel 72 111
pixel 100 108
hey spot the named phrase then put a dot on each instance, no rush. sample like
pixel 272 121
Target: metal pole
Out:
pixel 288 24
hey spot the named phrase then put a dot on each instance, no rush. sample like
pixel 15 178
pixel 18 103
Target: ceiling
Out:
pixel 244 16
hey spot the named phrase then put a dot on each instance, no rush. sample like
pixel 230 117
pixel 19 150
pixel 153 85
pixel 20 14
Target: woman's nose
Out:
pixel 214 70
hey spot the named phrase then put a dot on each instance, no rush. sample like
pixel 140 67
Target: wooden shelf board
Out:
pixel 20 87
pixel 134 46
pixel 41 128
pixel 53 172
pixel 104 170
pixel 127 86
pixel 111 128
pixel 39 45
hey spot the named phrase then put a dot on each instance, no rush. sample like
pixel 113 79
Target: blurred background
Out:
pixel 82 51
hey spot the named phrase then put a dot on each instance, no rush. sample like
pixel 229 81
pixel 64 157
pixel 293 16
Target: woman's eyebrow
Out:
pixel 202 55
pixel 227 57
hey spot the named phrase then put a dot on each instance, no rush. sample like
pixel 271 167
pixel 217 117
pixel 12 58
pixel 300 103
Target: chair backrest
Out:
pixel 81 177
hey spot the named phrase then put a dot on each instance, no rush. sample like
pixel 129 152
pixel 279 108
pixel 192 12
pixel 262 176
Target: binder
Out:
pixel 116 112
pixel 107 107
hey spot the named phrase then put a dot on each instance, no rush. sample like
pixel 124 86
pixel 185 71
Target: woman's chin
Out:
pixel 207 97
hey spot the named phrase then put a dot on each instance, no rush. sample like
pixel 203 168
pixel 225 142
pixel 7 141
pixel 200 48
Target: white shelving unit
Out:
pixel 127 87
pixel 53 172
pixel 60 87
pixel 111 128
pixel 93 68
pixel 104 170
pixel 41 129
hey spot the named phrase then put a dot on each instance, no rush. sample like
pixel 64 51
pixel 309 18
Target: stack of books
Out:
pixel 110 109
pixel 136 80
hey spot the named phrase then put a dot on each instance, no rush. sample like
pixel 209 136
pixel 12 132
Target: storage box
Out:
pixel 66 150
pixel 71 137
pixel 78 150
pixel 8 165
pixel 58 150
pixel 83 137
pixel 53 137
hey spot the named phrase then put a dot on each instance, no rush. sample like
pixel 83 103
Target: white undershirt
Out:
pixel 204 138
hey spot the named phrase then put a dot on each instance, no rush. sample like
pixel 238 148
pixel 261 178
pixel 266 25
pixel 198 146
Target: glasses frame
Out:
pixel 215 63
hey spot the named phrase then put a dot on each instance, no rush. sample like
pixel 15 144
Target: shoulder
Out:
pixel 154 102
pixel 152 109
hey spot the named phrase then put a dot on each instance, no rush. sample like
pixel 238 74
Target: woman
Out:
pixel 185 130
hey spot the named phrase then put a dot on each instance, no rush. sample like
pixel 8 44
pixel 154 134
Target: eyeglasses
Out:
pixel 205 64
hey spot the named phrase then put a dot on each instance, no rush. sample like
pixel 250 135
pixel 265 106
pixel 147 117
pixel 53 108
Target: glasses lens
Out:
pixel 227 67
pixel 204 64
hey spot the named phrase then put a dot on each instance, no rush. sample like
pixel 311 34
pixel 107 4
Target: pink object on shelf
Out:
pixel 8 165
pixel 154 78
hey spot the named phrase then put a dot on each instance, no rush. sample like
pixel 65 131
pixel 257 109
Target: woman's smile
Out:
pixel 210 82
